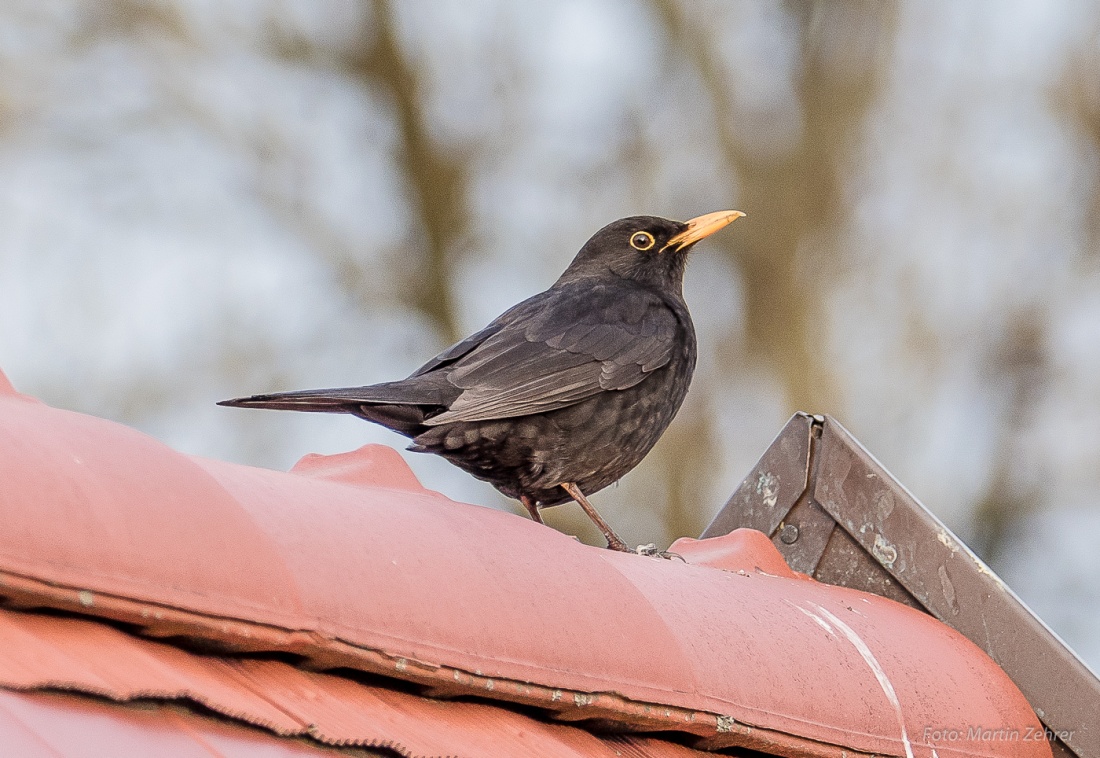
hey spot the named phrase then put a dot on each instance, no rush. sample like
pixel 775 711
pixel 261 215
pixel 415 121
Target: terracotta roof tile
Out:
pixel 53 725
pixel 82 655
pixel 349 563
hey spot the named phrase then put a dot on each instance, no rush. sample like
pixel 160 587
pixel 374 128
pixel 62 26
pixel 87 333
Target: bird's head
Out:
pixel 647 249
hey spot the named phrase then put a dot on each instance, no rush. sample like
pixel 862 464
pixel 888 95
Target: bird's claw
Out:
pixel 651 551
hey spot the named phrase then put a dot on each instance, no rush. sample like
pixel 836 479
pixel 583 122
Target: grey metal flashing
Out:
pixel 836 514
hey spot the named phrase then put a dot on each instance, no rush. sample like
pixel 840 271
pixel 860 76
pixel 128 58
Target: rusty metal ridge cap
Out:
pixel 713 731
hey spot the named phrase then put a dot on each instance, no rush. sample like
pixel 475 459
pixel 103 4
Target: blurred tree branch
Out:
pixel 795 198
pixel 436 176
pixel 1077 99
pixel 795 204
pixel 1021 366
pixel 1023 363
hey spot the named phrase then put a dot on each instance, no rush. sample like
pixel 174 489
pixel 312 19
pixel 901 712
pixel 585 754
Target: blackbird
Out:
pixel 562 394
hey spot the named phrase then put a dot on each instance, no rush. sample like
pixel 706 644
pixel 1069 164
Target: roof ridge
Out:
pixel 713 730
pixel 467 600
pixel 326 654
pixel 324 709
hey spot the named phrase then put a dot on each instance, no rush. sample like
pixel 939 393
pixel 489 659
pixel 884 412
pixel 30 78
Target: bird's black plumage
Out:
pixel 568 389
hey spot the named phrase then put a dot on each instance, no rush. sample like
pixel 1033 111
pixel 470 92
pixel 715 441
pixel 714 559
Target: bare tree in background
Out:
pixel 436 178
pixel 1023 364
pixel 1021 368
pixel 789 248
pixel 1078 98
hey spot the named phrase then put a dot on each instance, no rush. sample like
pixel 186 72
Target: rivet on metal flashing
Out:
pixel 86 598
pixel 725 723
pixel 788 535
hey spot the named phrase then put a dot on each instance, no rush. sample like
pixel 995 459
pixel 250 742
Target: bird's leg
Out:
pixel 533 509
pixel 613 540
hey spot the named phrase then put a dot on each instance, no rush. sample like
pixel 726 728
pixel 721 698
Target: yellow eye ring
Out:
pixel 641 241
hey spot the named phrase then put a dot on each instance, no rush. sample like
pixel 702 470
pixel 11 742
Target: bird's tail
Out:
pixel 401 406
pixel 315 401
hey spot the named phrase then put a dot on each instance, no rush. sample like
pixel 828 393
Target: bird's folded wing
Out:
pixel 459 349
pixel 546 358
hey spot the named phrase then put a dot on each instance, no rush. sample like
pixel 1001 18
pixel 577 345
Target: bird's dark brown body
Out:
pixel 567 390
pixel 593 442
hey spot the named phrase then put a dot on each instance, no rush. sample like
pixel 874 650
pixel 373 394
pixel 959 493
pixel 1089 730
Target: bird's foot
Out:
pixel 532 508
pixel 617 544
pixel 614 541
pixel 651 551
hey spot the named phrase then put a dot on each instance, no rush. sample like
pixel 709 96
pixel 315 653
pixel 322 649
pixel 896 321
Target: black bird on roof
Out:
pixel 562 394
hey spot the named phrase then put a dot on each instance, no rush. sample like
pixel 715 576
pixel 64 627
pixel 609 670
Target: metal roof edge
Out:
pixel 837 514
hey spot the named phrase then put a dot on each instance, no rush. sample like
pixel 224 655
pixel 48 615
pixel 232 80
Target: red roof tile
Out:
pixel 82 655
pixel 349 562
pixel 52 725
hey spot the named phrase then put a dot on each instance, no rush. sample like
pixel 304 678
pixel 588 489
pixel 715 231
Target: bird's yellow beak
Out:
pixel 703 226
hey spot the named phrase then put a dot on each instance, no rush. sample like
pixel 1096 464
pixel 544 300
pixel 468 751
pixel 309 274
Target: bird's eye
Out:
pixel 641 241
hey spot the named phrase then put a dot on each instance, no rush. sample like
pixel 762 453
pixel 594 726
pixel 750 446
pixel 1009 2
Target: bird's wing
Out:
pixel 560 348
pixel 460 349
